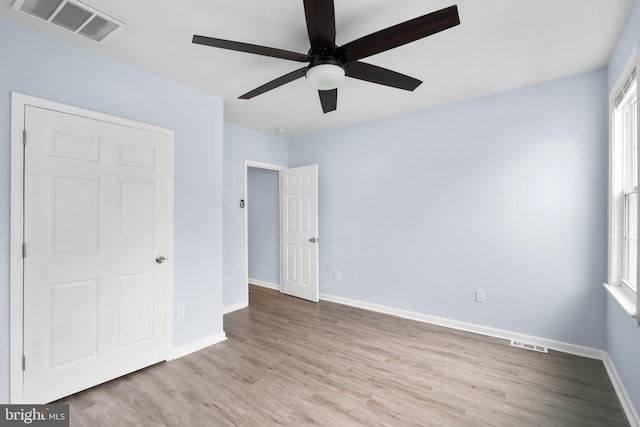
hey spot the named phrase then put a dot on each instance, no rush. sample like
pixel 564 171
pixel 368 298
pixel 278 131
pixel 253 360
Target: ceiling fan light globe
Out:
pixel 325 76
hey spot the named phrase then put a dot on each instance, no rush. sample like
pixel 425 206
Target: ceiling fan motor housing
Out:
pixel 325 73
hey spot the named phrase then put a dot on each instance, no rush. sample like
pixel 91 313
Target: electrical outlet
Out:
pixel 479 296
pixel 336 274
pixel 181 312
pixel 227 283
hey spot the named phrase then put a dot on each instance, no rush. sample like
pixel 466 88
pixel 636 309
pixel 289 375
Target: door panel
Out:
pixel 300 232
pixel 73 319
pixel 97 213
pixel 135 308
pixel 74 200
pixel 136 214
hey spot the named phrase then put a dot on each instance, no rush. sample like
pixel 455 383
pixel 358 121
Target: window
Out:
pixel 623 191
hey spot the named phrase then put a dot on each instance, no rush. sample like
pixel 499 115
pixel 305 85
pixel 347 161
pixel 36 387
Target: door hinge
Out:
pixel 24 363
pixel 24 137
pixel 24 250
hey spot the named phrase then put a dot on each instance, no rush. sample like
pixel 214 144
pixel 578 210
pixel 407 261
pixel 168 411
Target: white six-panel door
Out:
pixel 97 213
pixel 299 245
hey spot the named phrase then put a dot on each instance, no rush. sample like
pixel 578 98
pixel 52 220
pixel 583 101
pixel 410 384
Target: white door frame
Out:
pixel 19 102
pixel 258 165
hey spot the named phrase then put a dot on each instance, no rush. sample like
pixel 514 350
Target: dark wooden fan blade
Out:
pixel 329 100
pixel 400 34
pixel 375 74
pixel 321 25
pixel 250 48
pixel 275 83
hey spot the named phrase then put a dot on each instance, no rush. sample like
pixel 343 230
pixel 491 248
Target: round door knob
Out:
pixel 313 239
pixel 160 259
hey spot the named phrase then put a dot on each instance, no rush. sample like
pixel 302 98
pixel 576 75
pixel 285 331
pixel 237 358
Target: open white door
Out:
pixel 299 241
pixel 97 230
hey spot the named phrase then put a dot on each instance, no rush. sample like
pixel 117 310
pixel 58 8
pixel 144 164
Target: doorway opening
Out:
pixel 262 225
pixel 263 213
pixel 298 229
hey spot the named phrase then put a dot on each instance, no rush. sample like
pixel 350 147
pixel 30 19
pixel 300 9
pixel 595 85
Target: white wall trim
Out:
pixel 203 343
pixel 19 103
pixel 234 307
pixel 262 283
pixel 623 396
pixel 16 272
pixel 578 350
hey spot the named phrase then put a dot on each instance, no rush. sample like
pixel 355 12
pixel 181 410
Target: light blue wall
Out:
pixel 38 65
pixel 505 193
pixel 623 347
pixel 242 144
pixel 264 225
pixel 623 336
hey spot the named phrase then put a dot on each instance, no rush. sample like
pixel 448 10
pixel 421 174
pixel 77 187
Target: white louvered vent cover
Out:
pixel 528 346
pixel 71 15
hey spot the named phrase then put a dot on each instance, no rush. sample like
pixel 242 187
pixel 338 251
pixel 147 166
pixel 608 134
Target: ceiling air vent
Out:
pixel 72 15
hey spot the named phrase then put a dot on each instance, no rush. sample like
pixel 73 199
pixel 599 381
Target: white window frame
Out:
pixel 625 237
pixel 620 289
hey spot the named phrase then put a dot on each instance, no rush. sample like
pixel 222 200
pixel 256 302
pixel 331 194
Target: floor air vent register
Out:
pixel 528 346
pixel 71 15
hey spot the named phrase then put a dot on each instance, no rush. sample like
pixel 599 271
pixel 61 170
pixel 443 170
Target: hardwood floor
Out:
pixel 294 363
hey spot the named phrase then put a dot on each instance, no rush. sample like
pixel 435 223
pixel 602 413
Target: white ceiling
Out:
pixel 499 45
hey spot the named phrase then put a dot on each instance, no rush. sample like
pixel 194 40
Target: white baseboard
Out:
pixel 625 400
pixel 264 284
pixel 234 307
pixel 182 351
pixel 578 350
pixel 592 353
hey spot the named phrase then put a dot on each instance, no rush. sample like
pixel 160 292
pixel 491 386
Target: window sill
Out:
pixel 626 299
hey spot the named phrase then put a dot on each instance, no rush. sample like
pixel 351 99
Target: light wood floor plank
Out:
pixel 290 362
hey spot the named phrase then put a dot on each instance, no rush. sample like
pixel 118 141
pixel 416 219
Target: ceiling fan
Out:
pixel 328 63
